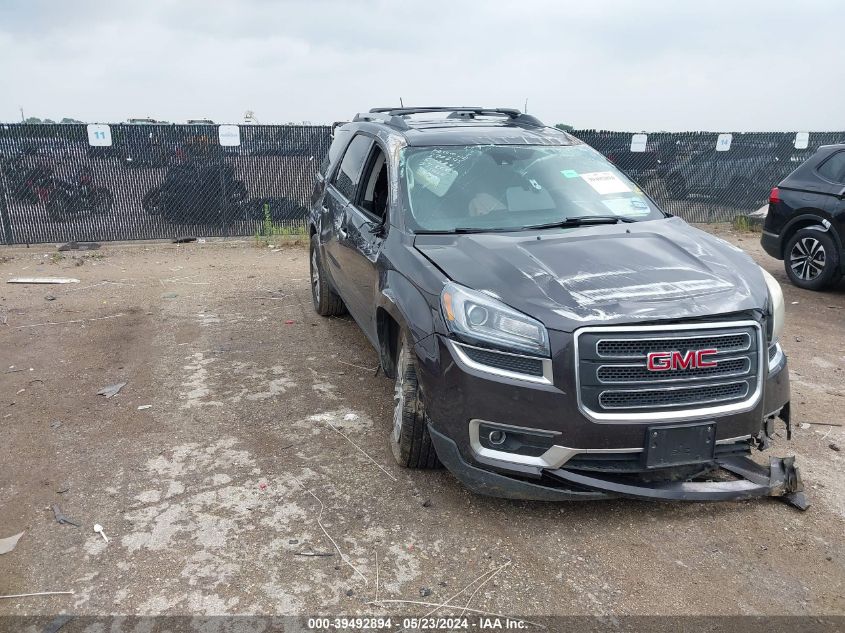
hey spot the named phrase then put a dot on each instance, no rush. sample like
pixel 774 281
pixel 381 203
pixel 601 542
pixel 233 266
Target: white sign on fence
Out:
pixel 229 135
pixel 802 140
pixel 723 143
pixel 99 135
pixel 638 142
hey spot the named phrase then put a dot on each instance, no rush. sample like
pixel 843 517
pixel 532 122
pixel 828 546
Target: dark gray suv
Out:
pixel 552 333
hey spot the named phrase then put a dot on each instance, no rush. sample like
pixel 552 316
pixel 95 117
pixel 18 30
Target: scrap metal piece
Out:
pixel 8 544
pixel 42 280
pixel 61 518
pixel 111 390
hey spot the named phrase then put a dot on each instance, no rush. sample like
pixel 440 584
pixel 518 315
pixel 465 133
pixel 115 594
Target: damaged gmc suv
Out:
pixel 552 333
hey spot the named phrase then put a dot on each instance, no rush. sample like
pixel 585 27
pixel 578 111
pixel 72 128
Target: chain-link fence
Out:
pixel 708 177
pixel 63 182
pixel 154 181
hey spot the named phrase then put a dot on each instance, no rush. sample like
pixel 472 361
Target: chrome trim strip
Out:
pixel 675 388
pixel 733 440
pixel 461 356
pixel 683 414
pixel 665 380
pixel 555 457
pixel 776 359
pixel 668 338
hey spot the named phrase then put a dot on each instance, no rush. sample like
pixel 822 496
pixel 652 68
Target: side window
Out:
pixel 341 137
pixel 834 168
pixel 374 199
pixel 347 177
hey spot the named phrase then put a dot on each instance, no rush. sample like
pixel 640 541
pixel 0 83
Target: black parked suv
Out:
pixel 806 220
pixel 551 332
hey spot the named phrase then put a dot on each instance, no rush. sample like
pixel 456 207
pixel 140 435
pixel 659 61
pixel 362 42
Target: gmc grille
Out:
pixel 614 381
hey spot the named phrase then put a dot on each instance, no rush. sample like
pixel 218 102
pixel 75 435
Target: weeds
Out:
pixel 269 232
pixel 745 224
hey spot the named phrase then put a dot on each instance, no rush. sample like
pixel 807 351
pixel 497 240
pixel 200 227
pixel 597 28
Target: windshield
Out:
pixel 501 187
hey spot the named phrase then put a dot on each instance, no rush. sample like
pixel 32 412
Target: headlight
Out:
pixel 778 312
pixel 474 316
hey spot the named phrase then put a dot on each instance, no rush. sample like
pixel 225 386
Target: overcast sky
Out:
pixel 639 65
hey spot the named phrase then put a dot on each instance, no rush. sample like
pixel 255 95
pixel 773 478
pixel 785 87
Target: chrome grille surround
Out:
pixel 613 388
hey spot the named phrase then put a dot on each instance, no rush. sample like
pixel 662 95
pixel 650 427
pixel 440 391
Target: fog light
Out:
pixel 497 438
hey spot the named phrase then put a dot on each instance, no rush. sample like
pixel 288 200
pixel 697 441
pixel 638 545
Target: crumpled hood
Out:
pixel 568 278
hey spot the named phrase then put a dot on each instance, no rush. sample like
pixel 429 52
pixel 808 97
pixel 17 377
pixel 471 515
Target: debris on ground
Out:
pixel 184 239
pixel 314 553
pixel 426 503
pixel 62 490
pixel 169 295
pixel 61 518
pixel 8 544
pixel 350 593
pixel 79 246
pixel 425 592
pixel 42 280
pixel 99 530
pixel 834 447
pixel 144 407
pixel 111 390
pixel 49 298
pixel 40 593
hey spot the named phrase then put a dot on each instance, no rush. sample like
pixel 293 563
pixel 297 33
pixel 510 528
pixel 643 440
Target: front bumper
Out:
pixel 781 479
pixel 459 399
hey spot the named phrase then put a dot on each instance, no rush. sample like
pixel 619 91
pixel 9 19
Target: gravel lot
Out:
pixel 211 497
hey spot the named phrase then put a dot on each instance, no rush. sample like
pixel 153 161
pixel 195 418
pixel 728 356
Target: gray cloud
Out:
pixel 621 65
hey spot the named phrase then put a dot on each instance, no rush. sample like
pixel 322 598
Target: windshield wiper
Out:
pixel 565 222
pixel 580 220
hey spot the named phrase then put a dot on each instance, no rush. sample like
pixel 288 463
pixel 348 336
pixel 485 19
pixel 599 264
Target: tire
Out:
pixel 811 259
pixel 326 301
pixel 676 186
pixel 103 201
pixel 58 205
pixel 152 202
pixel 409 440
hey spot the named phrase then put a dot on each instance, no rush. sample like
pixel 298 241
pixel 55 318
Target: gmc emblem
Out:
pixel 666 361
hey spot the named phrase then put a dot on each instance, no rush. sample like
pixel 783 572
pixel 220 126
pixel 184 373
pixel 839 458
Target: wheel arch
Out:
pixel 401 308
pixel 806 219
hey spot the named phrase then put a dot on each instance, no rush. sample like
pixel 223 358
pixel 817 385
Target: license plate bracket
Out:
pixel 680 444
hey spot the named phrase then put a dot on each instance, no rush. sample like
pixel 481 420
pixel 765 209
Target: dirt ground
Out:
pixel 265 421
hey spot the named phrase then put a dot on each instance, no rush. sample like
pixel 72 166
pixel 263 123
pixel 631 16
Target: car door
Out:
pixel 832 174
pixel 366 230
pixel 334 236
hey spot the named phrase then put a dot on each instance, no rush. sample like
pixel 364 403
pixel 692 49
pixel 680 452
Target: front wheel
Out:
pixel 326 301
pixel 58 205
pixel 409 439
pixel 811 259
pixel 103 201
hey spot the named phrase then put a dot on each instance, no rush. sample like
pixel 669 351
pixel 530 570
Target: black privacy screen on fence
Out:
pixel 69 182
pixel 154 181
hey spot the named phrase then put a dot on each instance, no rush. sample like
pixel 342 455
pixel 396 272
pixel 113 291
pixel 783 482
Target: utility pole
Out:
pixel 22 118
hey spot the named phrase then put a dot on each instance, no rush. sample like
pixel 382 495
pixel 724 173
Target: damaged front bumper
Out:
pixel 780 479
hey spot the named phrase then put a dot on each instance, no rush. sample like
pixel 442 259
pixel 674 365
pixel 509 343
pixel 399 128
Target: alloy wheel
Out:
pixel 315 276
pixel 399 394
pixel 807 258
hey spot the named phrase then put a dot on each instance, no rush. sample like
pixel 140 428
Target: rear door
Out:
pixel 832 173
pixel 340 192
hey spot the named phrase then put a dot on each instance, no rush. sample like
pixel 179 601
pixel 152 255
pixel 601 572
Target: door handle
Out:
pixel 342 230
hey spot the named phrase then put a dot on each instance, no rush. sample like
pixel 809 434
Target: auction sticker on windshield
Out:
pixel 605 182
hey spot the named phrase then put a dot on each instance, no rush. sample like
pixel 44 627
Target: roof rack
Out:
pixel 394 117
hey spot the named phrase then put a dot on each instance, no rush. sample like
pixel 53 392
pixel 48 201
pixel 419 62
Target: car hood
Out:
pixel 604 274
